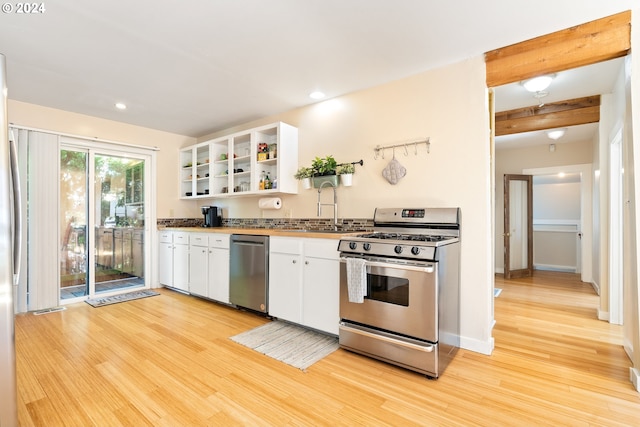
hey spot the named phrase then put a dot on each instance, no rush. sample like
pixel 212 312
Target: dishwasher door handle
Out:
pixel 247 243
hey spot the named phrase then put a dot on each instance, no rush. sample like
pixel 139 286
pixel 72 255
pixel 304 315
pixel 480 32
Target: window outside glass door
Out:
pixel 102 226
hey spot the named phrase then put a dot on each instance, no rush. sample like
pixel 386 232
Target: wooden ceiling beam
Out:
pixel 596 41
pixel 572 112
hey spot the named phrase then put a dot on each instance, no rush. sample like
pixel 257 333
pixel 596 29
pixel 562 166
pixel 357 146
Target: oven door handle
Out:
pixel 424 348
pixel 426 269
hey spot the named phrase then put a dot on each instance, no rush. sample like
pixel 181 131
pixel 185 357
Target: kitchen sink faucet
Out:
pixel 334 204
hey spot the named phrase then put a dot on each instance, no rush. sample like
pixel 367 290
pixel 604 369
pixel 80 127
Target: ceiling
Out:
pixel 596 79
pixel 198 66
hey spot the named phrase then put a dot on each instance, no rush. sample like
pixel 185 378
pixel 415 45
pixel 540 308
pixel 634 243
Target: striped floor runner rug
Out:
pixel 292 344
pixel 130 296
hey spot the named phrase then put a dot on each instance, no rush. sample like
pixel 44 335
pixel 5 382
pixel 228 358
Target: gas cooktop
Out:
pixel 406 233
pixel 401 236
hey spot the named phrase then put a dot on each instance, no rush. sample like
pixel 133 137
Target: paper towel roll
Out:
pixel 270 203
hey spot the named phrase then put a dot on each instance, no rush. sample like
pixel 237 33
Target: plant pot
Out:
pixel 346 179
pixel 331 179
pixel 306 183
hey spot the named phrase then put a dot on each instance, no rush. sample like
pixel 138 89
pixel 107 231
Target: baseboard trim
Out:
pixel 558 268
pixel 634 375
pixel 483 347
pixel 603 315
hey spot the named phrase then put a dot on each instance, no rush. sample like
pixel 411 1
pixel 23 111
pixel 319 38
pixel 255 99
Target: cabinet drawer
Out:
pixel 286 245
pixel 181 237
pixel 219 241
pixel 321 248
pixel 199 239
pixel 165 236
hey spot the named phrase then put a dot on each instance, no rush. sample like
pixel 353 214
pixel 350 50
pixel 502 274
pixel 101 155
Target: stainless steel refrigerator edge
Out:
pixel 8 400
pixel 249 272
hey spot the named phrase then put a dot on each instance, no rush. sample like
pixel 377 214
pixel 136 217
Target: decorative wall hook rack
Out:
pixel 359 162
pixel 378 151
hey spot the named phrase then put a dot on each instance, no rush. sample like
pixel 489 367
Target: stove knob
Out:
pixel 398 249
pixel 415 250
pixel 352 245
pixel 366 246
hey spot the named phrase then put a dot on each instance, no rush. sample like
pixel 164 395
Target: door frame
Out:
pixel 93 148
pixel 528 270
pixel 586 211
pixel 616 221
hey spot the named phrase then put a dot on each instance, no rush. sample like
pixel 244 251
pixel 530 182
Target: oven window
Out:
pixel 392 290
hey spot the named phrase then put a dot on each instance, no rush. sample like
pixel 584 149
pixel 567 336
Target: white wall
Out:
pixel 558 201
pixel 556 220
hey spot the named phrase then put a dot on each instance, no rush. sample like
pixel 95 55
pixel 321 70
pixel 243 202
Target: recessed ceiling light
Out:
pixel 317 95
pixel 121 106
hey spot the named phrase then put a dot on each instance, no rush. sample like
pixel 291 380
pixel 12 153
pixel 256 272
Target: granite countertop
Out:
pixel 318 234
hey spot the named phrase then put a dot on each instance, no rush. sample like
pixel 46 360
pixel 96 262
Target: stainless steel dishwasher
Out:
pixel 249 272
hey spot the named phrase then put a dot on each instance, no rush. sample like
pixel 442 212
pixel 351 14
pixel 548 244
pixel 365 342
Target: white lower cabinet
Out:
pixel 198 263
pixel 321 285
pixel 285 278
pixel 218 267
pixel 304 281
pixel 173 259
pixel 209 266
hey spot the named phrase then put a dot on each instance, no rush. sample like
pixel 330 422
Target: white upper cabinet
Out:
pixel 234 165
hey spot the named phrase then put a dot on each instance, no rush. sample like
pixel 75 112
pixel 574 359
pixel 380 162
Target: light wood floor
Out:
pixel 167 361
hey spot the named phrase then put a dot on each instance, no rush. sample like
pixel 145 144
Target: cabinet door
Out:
pixel 198 271
pixel 219 274
pixel 181 267
pixel 165 263
pixel 285 279
pixel 321 294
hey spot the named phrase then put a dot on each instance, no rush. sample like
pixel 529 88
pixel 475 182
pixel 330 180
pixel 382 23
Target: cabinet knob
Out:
pixel 294 261
pixel 306 262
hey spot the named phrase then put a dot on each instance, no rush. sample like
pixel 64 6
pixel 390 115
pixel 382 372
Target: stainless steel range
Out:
pixel 399 289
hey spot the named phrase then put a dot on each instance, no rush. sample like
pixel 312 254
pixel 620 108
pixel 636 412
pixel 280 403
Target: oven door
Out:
pixel 401 297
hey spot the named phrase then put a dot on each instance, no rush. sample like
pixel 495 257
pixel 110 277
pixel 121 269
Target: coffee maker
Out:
pixel 211 217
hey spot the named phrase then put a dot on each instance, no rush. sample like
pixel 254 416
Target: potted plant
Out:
pixel 304 174
pixel 345 172
pixel 324 170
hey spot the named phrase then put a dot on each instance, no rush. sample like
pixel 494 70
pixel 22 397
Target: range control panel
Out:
pixel 413 213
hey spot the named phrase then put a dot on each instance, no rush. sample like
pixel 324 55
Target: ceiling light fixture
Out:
pixel 121 106
pixel 317 95
pixel 537 84
pixel 556 133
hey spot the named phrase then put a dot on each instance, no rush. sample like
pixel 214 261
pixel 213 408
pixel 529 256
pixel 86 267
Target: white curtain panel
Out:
pixel 39 283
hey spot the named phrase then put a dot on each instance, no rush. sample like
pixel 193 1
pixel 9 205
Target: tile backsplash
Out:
pixel 346 224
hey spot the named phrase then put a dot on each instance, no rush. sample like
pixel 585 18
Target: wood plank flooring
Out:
pixel 168 361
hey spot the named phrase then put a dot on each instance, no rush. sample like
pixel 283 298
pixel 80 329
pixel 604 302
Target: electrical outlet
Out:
pixel 288 213
pixel 171 213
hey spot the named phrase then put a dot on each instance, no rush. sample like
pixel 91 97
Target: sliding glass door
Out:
pixel 73 223
pixel 102 212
